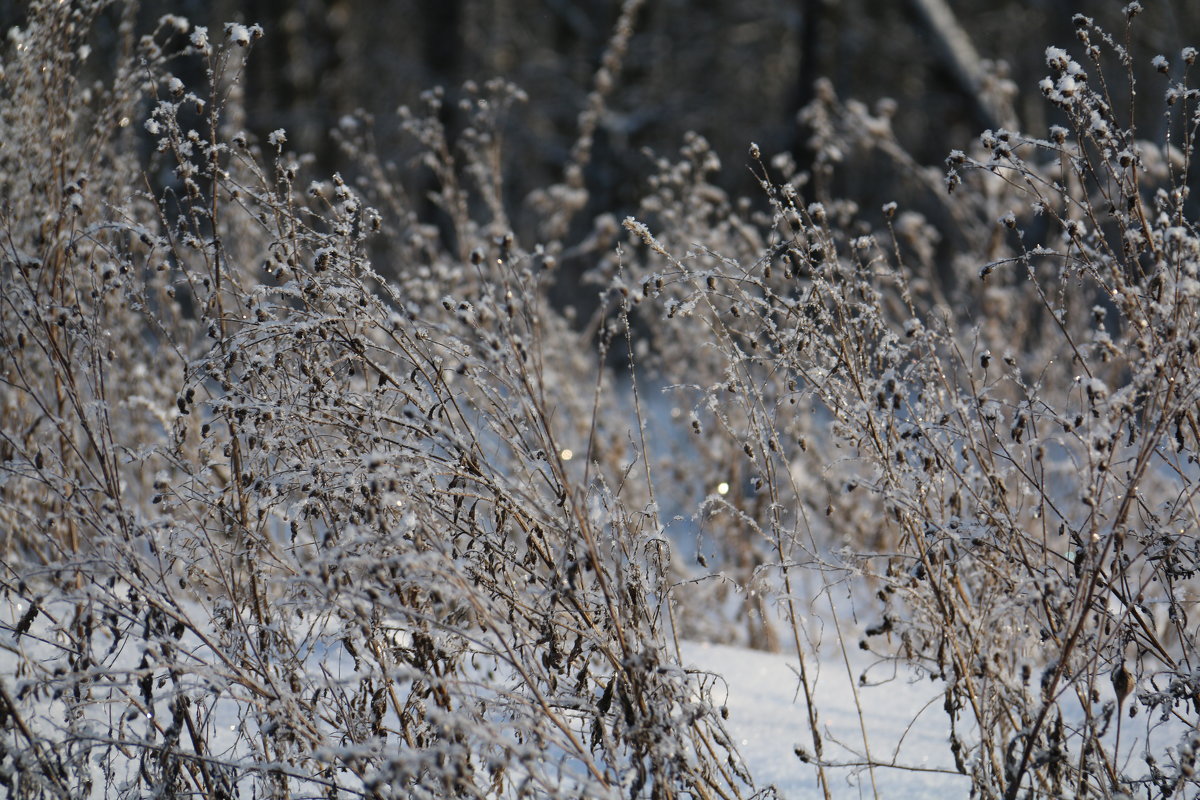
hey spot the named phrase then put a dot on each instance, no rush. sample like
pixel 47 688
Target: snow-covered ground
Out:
pixel 900 712
pixel 903 718
pixel 767 718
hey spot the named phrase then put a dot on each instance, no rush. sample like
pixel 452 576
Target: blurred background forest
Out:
pixel 734 71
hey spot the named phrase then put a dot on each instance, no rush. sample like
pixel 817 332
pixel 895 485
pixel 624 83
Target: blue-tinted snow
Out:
pixel 767 719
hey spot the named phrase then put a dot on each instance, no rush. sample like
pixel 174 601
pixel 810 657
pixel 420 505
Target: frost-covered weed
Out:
pixel 310 491
pixel 1008 456
pixel 277 522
